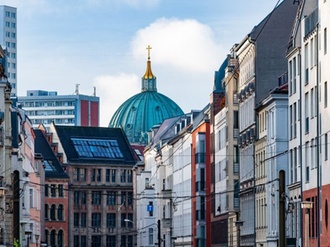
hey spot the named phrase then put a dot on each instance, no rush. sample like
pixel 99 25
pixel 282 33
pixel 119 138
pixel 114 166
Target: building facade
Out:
pixel 99 162
pixel 55 190
pixel 8 41
pixel 45 107
pixel 163 207
pixel 259 69
pixel 308 58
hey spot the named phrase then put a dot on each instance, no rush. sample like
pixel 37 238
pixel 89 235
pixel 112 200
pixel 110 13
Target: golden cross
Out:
pixel 149 48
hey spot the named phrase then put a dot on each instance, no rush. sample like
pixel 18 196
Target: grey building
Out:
pixel 262 60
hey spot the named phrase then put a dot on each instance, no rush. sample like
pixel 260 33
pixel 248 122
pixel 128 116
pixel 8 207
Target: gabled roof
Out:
pixel 95 145
pixel 53 168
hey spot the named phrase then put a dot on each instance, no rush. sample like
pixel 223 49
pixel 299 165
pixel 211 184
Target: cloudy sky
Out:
pixel 102 44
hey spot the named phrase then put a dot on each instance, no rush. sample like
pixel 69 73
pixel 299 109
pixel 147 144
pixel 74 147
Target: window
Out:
pixel 76 241
pixel 7 24
pixel 113 175
pixel 83 241
pixel 76 197
pixel 306 113
pixel 130 241
pixel 325 41
pixel 96 241
pixel 129 176
pixel 96 220
pixel 151 236
pixel 312 103
pixel 83 220
pixel 83 197
pixel 60 238
pixel 111 220
pixel 307 161
pixel 123 176
pixel 13 35
pixel 8 34
pixel 76 219
pixel 7 14
pixel 52 237
pixel 60 190
pixel 306 65
pixel 107 175
pixel 79 174
pixel 129 198
pixel 46 211
pixel 13 15
pixel 294 120
pixel 325 94
pixel 60 212
pixel 111 241
pixel 53 190
pixel 123 240
pixel 96 175
pixel 111 198
pixel 13 25
pixel 326 147
pixel 46 190
pixel 31 198
pixel 96 197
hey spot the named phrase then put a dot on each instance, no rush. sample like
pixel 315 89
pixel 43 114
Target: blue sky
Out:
pixel 102 43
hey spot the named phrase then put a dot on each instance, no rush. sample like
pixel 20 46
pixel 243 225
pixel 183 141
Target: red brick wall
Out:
pixel 325 235
pixel 95 114
pixel 84 110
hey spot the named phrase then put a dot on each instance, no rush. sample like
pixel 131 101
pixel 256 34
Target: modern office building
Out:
pixel 8 41
pixel 45 107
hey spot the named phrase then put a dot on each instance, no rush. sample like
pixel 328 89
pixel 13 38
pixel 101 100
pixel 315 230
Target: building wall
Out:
pixel 201 202
pixel 182 186
pixel 45 107
pixel 55 224
pixel 8 40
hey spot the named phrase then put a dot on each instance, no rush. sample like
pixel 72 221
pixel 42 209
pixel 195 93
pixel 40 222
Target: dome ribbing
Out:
pixel 141 112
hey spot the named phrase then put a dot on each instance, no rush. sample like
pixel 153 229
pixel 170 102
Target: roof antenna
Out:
pixel 77 89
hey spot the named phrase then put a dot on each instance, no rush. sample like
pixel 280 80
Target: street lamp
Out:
pixel 129 221
pixel 307 205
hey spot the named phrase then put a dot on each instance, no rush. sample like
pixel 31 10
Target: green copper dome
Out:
pixel 141 112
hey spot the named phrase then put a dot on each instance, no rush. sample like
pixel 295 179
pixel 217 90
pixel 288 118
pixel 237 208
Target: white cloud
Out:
pixel 184 44
pixel 112 89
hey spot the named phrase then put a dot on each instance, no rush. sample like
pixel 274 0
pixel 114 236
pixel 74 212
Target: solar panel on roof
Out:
pixel 97 148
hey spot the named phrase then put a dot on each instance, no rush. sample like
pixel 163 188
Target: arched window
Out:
pixel 52 212
pixel 46 212
pixel 52 238
pixel 60 212
pixel 46 236
pixel 60 238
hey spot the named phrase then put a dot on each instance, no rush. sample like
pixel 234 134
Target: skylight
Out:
pixel 96 148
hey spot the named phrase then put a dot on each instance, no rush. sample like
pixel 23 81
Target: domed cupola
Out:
pixel 144 110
